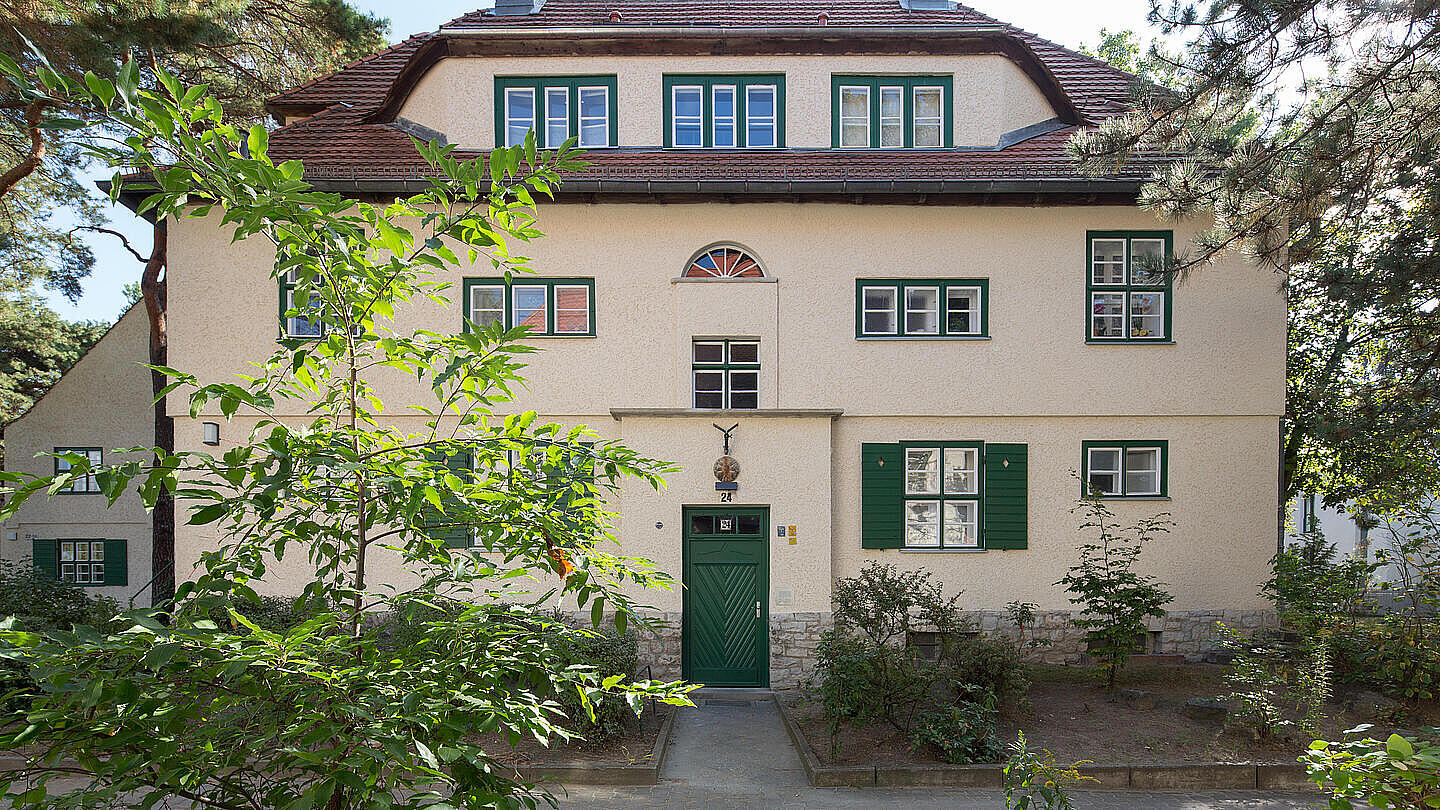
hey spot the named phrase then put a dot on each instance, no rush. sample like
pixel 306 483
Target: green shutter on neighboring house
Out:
pixel 882 476
pixel 117 565
pixel 46 554
pixel 1006 496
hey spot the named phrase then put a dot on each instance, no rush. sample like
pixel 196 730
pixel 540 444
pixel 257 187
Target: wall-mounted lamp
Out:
pixel 212 433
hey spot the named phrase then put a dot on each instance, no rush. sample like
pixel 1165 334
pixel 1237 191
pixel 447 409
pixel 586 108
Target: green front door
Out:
pixel 726 636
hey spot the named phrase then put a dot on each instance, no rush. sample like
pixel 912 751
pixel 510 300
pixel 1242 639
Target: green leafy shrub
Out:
pixel 277 614
pixel 1278 687
pixel 859 682
pixel 1314 588
pixel 1402 772
pixel 41 604
pixel 990 663
pixel 963 732
pixel 1022 615
pixel 1114 599
pixel 1033 781
pixel 607 652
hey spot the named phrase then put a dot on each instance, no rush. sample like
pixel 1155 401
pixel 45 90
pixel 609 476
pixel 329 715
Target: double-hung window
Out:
pixel 1125 469
pixel 942 495
pixel 724 111
pixel 892 112
pixel 93 457
pixel 555 108
pixel 1128 286
pixel 726 374
pixel 921 308
pixel 299 319
pixel 548 307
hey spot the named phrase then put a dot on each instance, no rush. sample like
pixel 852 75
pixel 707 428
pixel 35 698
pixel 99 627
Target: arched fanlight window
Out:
pixel 724 262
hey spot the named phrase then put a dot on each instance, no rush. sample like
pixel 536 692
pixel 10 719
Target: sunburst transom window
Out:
pixel 724 262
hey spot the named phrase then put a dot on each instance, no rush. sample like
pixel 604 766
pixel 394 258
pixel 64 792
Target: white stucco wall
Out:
pixel 104 401
pixel 992 95
pixel 1216 394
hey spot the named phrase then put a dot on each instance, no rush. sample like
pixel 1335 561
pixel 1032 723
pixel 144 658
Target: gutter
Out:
pixel 762 187
pixel 647 31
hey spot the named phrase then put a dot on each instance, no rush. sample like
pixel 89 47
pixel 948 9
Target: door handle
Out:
pixel 757 608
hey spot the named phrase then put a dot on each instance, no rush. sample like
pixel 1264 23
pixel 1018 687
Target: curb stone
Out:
pixel 1155 776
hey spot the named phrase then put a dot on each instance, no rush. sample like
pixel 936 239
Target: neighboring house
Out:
pixel 851 228
pixel 1352 531
pixel 100 405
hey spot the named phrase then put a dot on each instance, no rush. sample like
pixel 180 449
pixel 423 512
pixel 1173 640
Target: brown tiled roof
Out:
pixel 340 143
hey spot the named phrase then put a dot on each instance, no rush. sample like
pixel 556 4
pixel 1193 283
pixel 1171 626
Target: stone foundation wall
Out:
pixel 794 636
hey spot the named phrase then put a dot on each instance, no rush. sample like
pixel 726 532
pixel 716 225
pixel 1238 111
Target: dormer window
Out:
pixel 724 112
pixel 892 112
pixel 556 109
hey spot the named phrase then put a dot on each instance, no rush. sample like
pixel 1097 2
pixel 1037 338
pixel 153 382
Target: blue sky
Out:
pixel 1068 22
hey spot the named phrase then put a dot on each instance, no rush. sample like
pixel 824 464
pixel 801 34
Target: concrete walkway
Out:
pixel 732 753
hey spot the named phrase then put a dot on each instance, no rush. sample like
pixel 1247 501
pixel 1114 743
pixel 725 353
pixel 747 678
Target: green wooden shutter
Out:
pixel 46 554
pixel 1006 495
pixel 454 536
pixel 882 478
pixel 117 565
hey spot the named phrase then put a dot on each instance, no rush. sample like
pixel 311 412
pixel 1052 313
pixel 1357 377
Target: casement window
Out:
pixel 556 109
pixel 939 495
pixel 892 112
pixel 548 307
pixel 726 374
pixel 450 526
pixel 1128 286
pixel 87 483
pixel 724 112
pixel 298 319
pixel 1125 469
pixel 922 308
pixel 82 562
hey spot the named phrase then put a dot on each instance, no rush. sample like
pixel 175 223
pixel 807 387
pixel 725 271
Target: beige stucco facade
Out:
pixel 992 95
pixel 103 402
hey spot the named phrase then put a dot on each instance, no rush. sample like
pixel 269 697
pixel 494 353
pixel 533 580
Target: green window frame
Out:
pixel 1112 469
pixel 725 373
pixel 563 312
pixel 561 107
pixel 716 130
pixel 896 308
pixel 565 484
pixel 86 485
pixel 944 495
pixel 1128 288
pixel 878 124
pixel 1308 510
pixel 83 561
pixel 291 324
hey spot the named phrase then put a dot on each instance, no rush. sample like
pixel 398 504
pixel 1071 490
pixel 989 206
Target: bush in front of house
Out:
pixel 871 671
pixel 41 604
pixel 608 652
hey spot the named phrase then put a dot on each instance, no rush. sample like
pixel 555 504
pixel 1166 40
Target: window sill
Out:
pixel 559 337
pixel 923 337
pixel 724 280
pixel 1127 342
pixel 943 550
pixel 1135 497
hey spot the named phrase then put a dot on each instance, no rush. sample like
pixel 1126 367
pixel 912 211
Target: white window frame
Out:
pixel 697 120
pixel 726 366
pixel 603 119
pixel 497 310
pixel 770 122
pixel 557 309
pixel 937 310
pixel 1108 264
pixel 515 319
pixel 732 120
pixel 938 122
pixel 86 484
pixel 865 89
pixel 510 122
pixel 79 572
pixel 943 497
pixel 1158 469
pixel 893 310
pixel 896 120
pixel 563 93
pixel 976 316
pixel 1122 472
pixel 1118 471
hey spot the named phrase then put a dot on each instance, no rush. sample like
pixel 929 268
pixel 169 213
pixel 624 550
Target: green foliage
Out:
pixel 1115 599
pixel 860 682
pixel 989 663
pixel 607 652
pixel 1314 588
pixel 885 605
pixel 1278 688
pixel 333 711
pixel 963 733
pixel 1402 772
pixel 1022 615
pixel 1034 782
pixel 41 604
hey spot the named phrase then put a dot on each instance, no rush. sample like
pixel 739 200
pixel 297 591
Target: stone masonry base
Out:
pixel 794 636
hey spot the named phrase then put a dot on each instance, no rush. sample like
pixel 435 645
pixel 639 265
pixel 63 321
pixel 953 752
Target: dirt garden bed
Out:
pixel 632 759
pixel 1071 716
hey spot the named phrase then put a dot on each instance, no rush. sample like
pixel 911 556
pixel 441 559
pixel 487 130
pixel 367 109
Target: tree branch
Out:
pixel 33 112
